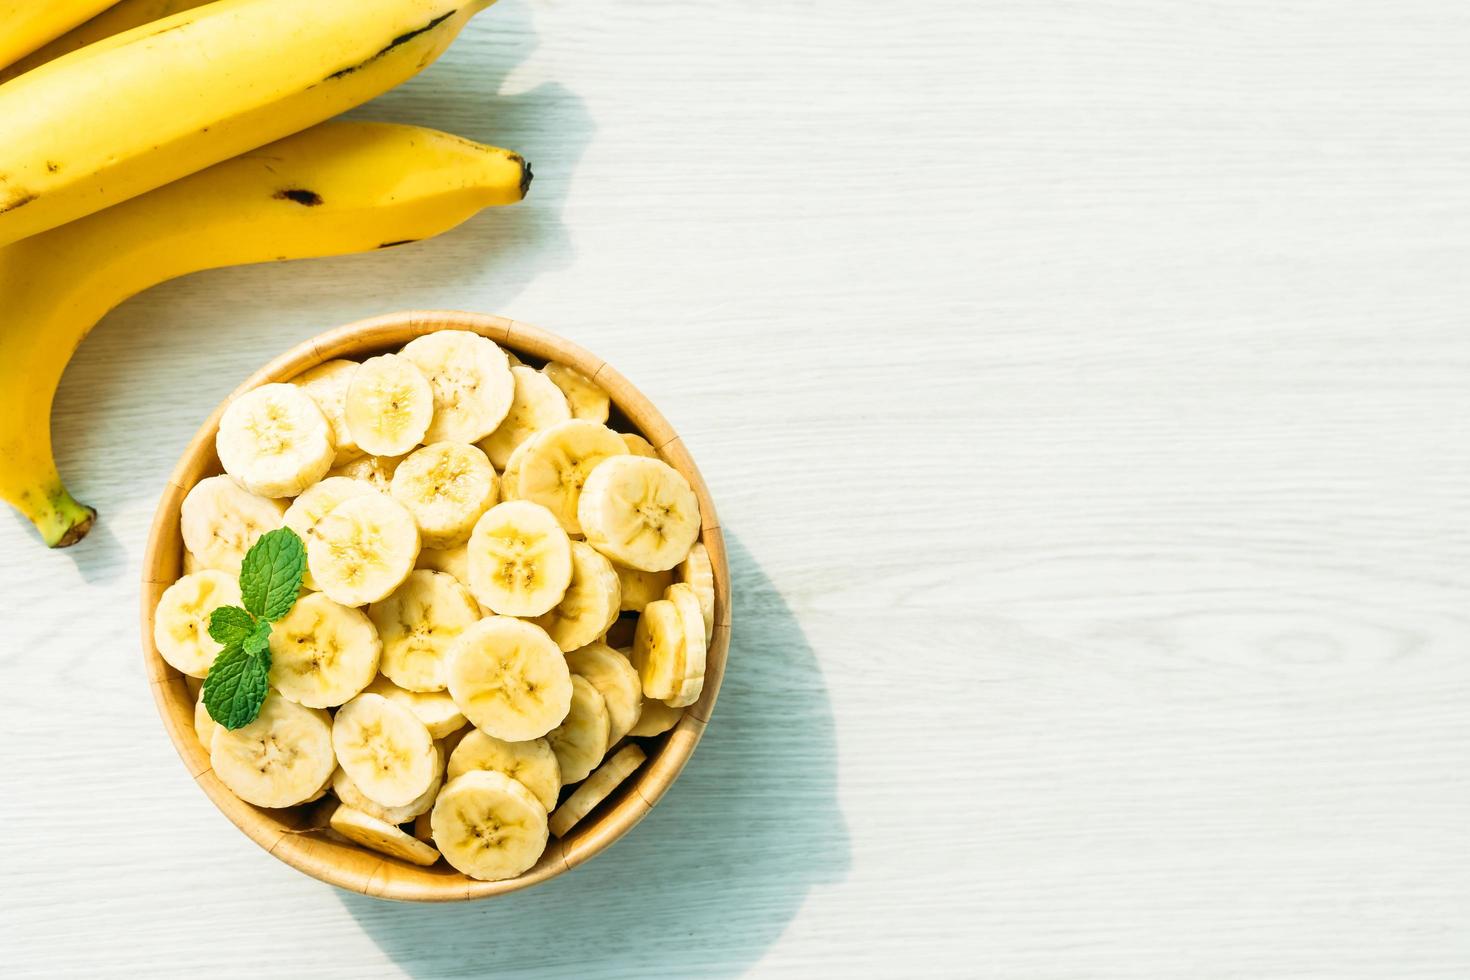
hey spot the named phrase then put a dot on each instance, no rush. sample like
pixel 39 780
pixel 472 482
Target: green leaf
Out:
pixel 230 625
pixel 270 576
pixel 258 643
pixel 236 687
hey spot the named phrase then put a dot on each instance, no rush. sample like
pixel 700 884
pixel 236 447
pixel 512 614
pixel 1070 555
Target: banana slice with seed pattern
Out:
pixel 509 679
pixel 377 470
pixel 274 441
pixel 557 462
pixel 367 830
pixel 316 502
pixel 691 681
pixel 348 792
pixel 488 826
pixel 323 653
pixel 280 759
pixel 698 572
pixel 580 741
pixel 520 559
pixel 204 726
pixel 639 446
pixel 436 709
pixel 389 405
pixel 327 385
pixel 639 588
pixel 584 397
pixel 616 680
pixel 639 512
pixel 181 620
pixel 472 383
pixel 532 763
pixel 446 486
pixel 363 549
pixel 385 749
pixel 220 520
pixel 417 624
pixel 598 787
pixel 591 602
pixel 538 404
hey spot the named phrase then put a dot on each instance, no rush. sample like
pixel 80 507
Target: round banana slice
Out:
pixel 655 719
pixel 581 740
pixel 659 650
pixel 436 709
pixel 520 559
pixel 488 825
pixel 591 602
pixel 616 680
pixel 274 441
pixel 698 573
pixel 307 510
pixel 220 520
pixel 385 749
pixel 584 397
pixel 280 759
pixel 348 793
pixel 557 462
pixel 639 446
pixel 470 375
pixel 639 512
pixel 532 764
pixel 691 682
pixel 367 830
pixel 181 620
pixel 418 623
pixel 446 486
pixel 204 726
pixel 363 549
pixel 323 653
pixel 389 405
pixel 377 470
pixel 639 588
pixel 538 404
pixel 509 679
pixel 327 385
pixel 598 787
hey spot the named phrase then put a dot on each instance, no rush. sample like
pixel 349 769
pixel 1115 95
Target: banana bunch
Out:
pixel 450 670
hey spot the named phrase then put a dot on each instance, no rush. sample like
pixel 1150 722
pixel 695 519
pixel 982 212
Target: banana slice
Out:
pixel 307 510
pixel 385 749
pixel 510 475
pixel 436 709
pixel 418 623
pixel 520 559
pixel 367 830
pixel 204 726
pixel 280 759
pixel 557 462
pixel 510 357
pixel 655 719
pixel 327 385
pixel 698 572
pixel 660 651
pixel 639 588
pixel 348 792
pixel 220 520
pixel 509 679
pixel 191 564
pixel 422 830
pixel 580 741
pixel 389 405
pixel 598 787
pixel 691 681
pixel 377 470
pixel 532 764
pixel 538 404
pixel 446 486
pixel 275 441
pixel 363 549
pixel 639 446
pixel 488 825
pixel 584 397
pixel 452 561
pixel 639 512
pixel 616 680
pixel 470 375
pixel 591 602
pixel 323 653
pixel 181 620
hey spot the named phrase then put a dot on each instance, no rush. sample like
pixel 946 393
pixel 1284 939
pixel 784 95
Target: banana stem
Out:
pixel 60 519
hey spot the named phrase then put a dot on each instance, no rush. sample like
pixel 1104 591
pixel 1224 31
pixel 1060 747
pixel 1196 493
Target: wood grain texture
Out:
pixel 1084 389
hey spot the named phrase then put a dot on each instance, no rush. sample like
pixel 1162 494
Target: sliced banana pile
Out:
pixel 481 546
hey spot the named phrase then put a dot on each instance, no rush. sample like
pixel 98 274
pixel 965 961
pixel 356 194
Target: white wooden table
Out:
pixel 1086 390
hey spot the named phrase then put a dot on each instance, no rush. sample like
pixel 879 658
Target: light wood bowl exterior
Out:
pixel 294 835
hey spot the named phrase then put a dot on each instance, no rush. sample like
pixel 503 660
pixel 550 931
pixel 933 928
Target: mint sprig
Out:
pixel 270 580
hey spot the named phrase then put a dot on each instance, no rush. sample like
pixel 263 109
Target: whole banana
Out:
pixel 25 25
pixel 121 16
pixel 333 189
pixel 145 107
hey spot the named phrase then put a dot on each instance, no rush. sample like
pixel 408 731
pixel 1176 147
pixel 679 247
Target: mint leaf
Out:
pixel 230 625
pixel 258 643
pixel 236 687
pixel 270 576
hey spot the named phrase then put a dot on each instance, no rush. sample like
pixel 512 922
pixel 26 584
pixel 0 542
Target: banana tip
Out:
pixel 526 176
pixel 78 530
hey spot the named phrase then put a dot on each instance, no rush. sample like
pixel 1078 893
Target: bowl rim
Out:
pixel 291 835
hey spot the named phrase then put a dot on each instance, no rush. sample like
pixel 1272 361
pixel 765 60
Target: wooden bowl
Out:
pixel 295 835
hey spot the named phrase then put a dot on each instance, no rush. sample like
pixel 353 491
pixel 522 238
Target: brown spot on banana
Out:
pixel 401 241
pixel 305 198
pixel 19 200
pixel 400 39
